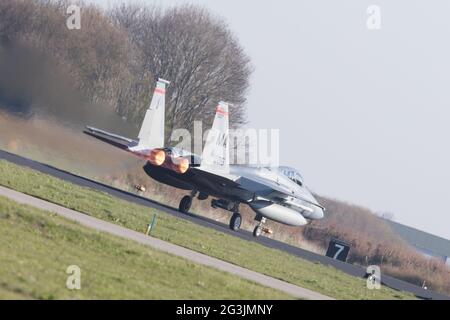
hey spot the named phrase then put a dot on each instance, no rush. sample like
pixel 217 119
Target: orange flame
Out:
pixel 157 157
pixel 182 166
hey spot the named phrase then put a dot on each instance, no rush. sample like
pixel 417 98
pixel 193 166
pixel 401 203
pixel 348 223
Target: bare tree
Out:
pixel 15 16
pixel 387 215
pixel 197 53
pixel 98 61
pixel 113 59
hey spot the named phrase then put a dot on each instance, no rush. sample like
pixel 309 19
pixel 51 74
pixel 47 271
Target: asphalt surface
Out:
pixel 191 255
pixel 348 268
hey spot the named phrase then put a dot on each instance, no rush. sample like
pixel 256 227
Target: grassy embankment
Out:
pixel 38 246
pixel 314 276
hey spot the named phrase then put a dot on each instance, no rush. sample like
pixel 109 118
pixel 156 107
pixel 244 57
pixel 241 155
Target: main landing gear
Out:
pixel 235 221
pixel 185 204
pixel 186 201
pixel 236 218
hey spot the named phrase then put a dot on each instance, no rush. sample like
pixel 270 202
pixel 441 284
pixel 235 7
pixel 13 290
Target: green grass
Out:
pixel 38 246
pixel 272 262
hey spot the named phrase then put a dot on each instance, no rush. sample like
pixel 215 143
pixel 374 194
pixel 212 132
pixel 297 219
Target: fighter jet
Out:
pixel 275 193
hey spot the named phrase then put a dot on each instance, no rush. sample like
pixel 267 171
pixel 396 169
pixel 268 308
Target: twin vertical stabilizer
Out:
pixel 217 146
pixel 151 134
pixel 216 152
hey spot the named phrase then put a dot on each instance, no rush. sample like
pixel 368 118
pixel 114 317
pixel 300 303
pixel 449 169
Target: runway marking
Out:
pixel 104 226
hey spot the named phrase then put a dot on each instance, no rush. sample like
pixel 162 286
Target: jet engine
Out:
pixel 160 157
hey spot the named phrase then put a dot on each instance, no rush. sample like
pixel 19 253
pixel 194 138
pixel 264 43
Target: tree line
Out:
pixel 114 59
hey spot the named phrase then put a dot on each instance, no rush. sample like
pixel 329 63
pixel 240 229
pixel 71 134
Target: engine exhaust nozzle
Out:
pixel 157 157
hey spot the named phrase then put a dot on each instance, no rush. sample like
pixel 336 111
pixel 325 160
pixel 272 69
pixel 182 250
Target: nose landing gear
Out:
pixel 260 228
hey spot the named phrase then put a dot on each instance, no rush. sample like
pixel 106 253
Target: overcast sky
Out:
pixel 364 114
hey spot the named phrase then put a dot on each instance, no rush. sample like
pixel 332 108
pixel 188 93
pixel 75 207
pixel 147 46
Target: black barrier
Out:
pixel 205 309
pixel 338 250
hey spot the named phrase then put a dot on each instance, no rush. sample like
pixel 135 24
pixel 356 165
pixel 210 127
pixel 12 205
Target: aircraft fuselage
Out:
pixel 260 188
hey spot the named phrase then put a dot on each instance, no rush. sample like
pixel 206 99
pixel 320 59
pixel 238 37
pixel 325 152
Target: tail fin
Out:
pixel 216 152
pixel 151 134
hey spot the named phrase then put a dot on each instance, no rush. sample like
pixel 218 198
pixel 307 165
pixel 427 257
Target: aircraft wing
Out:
pixel 111 138
pixel 220 184
pixel 273 191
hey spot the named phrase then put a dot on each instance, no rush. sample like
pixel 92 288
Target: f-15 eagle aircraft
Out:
pixel 278 194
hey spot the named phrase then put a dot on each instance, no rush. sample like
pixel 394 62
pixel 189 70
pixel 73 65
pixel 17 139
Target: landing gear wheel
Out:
pixel 202 196
pixel 235 221
pixel 185 204
pixel 257 231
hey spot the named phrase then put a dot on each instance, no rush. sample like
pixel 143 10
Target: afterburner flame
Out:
pixel 182 166
pixel 157 157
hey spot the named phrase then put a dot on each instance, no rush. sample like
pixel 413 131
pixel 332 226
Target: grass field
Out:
pixel 37 248
pixel 275 263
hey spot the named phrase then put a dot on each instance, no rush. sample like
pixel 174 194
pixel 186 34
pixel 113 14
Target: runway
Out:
pixel 350 269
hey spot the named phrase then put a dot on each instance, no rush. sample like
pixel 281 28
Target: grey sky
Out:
pixel 363 114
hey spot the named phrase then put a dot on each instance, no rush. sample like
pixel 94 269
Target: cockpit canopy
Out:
pixel 292 174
